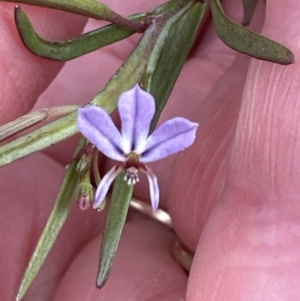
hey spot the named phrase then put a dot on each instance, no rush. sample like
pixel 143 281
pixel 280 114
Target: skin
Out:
pixel 233 195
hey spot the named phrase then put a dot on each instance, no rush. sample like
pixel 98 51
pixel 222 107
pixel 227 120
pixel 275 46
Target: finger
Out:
pixel 249 247
pixel 24 76
pixel 143 268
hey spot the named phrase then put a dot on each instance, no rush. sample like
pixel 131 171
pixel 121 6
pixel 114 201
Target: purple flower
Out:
pixel 133 146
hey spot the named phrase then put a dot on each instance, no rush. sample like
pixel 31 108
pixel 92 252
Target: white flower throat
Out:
pixel 132 175
pixel 132 167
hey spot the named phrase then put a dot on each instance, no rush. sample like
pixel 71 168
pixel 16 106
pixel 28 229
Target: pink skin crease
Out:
pixel 133 145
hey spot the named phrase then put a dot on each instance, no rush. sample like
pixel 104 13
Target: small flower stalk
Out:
pixel 133 146
pixel 85 188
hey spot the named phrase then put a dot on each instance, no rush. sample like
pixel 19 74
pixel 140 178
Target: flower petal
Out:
pixel 171 137
pixel 153 186
pixel 105 184
pixel 97 126
pixel 136 108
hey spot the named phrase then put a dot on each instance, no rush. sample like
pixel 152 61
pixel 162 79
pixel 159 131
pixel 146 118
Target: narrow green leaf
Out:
pixel 160 42
pixel 249 9
pixel 245 41
pixel 72 48
pixel 116 218
pixel 87 8
pixel 27 121
pixel 176 48
pixel 53 226
pixel 9 129
pixel 41 138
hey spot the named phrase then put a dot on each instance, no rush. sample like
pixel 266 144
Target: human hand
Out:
pixel 232 195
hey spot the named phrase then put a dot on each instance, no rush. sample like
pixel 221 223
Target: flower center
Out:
pixel 132 156
pixel 132 175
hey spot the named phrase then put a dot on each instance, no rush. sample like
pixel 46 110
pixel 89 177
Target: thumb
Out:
pixel 249 249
